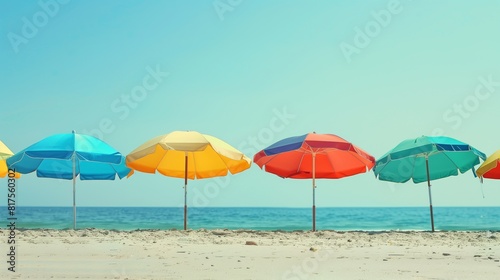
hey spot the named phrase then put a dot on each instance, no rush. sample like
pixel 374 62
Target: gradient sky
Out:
pixel 251 73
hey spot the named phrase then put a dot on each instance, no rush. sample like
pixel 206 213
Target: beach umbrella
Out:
pixel 490 168
pixel 5 153
pixel 66 156
pixel 314 156
pixel 188 155
pixel 427 158
pixel 3 168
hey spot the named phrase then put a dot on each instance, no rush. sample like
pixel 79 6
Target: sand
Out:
pixel 223 254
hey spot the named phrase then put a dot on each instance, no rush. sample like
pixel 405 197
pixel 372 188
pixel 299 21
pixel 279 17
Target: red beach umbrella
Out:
pixel 314 156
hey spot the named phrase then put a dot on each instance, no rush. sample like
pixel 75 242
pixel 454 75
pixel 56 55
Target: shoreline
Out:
pixel 493 234
pixel 240 230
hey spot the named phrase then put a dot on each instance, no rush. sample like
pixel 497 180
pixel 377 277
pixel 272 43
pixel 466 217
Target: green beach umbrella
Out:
pixel 427 158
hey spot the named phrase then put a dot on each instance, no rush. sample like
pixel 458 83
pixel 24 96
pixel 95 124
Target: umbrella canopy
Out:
pixel 188 155
pixel 5 153
pixel 314 156
pixel 66 156
pixel 490 167
pixel 427 158
pixel 3 168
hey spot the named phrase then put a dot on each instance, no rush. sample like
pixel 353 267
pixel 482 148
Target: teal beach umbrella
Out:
pixel 66 156
pixel 427 158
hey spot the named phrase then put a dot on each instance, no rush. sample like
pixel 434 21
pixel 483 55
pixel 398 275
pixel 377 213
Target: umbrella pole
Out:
pixel 314 192
pixel 74 193
pixel 185 190
pixel 430 195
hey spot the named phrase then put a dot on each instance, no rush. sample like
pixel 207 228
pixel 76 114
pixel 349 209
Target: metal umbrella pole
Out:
pixel 74 191
pixel 430 195
pixel 185 189
pixel 314 190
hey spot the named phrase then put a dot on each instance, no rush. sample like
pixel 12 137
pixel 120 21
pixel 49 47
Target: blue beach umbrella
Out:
pixel 66 156
pixel 427 158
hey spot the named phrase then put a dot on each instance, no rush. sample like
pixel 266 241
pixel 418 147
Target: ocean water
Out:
pixel 287 219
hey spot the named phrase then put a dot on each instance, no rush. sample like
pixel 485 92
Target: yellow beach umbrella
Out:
pixel 5 153
pixel 490 167
pixel 3 169
pixel 188 155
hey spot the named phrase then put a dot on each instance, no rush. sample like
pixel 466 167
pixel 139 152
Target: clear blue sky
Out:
pixel 251 73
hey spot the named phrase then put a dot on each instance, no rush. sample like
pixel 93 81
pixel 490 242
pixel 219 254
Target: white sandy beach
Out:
pixel 222 254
